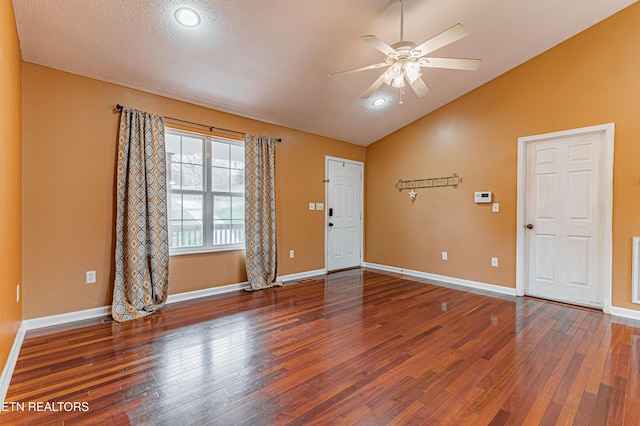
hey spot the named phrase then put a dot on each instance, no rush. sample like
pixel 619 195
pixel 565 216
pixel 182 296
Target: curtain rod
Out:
pixel 211 128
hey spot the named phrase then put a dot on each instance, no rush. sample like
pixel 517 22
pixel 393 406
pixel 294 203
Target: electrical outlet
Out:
pixel 292 254
pixel 18 293
pixel 495 207
pixel 91 277
pixel 444 255
pixel 312 206
pixel 494 262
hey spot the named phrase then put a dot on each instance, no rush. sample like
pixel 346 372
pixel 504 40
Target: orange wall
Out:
pixel 69 163
pixel 590 79
pixel 10 179
pixel 69 153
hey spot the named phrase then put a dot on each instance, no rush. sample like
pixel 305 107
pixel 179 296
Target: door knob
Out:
pixel 529 226
pixel 330 224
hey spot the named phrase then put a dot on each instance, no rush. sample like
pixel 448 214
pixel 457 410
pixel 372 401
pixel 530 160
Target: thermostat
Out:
pixel 482 197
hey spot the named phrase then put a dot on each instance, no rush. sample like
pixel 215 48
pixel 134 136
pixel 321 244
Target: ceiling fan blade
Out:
pixel 455 33
pixel 368 67
pixel 378 44
pixel 451 63
pixel 375 86
pixel 420 87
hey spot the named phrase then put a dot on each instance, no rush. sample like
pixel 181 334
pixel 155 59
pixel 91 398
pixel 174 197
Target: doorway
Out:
pixel 343 213
pixel 564 216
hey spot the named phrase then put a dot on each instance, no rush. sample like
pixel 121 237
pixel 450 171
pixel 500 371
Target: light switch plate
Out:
pixel 312 206
pixel 319 206
pixel 495 207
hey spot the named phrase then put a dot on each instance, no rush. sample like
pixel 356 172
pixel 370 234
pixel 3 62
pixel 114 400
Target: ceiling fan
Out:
pixel 404 59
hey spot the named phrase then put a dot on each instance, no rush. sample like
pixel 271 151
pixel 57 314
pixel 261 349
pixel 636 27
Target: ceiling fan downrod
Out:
pixel 401 20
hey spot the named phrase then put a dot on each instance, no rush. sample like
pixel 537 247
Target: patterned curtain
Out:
pixel 260 211
pixel 142 237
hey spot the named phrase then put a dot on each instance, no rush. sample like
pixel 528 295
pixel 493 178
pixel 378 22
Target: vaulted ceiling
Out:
pixel 269 59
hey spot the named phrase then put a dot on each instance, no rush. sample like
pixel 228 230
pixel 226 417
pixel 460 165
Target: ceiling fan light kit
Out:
pixel 404 59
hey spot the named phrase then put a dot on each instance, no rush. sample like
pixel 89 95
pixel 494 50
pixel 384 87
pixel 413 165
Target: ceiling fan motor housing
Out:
pixel 404 47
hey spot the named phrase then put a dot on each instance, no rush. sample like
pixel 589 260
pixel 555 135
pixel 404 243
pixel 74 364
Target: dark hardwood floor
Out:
pixel 356 347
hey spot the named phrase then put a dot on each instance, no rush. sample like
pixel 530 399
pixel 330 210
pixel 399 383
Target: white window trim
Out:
pixel 181 251
pixel 207 213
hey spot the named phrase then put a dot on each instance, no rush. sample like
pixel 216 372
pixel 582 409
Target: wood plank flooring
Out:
pixel 356 347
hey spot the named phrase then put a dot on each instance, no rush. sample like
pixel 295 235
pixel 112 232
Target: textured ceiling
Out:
pixel 269 59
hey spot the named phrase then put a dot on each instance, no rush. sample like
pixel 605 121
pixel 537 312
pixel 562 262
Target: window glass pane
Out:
pixel 172 147
pixel 175 233
pixel 237 231
pixel 221 232
pixel 237 156
pixel 228 232
pixel 219 154
pixel 185 220
pixel 237 208
pixel 219 179
pixel 175 176
pixel 192 149
pixel 237 180
pixel 191 233
pixel 192 177
pixel 221 207
pixel 175 206
pixel 192 206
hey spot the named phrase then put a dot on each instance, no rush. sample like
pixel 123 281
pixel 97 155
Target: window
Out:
pixel 206 192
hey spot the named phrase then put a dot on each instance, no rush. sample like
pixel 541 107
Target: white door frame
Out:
pixel 607 130
pixel 326 209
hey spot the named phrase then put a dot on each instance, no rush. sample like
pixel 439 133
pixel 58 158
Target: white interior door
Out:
pixel 344 214
pixel 565 219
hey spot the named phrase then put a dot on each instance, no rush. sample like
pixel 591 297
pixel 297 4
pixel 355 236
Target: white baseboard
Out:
pixel 196 294
pixel 302 275
pixel 189 295
pixel 620 312
pixel 32 324
pixel 442 278
pixel 10 365
pixel 626 313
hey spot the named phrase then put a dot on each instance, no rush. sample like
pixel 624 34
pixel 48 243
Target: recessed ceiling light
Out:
pixel 378 102
pixel 187 17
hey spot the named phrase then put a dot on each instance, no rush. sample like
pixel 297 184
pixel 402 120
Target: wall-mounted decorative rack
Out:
pixel 453 180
